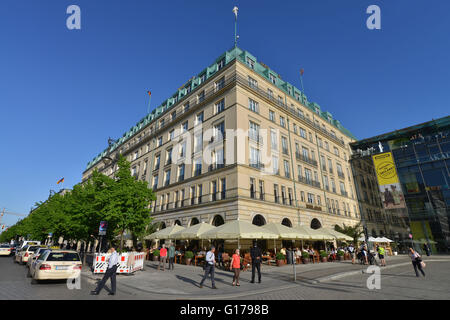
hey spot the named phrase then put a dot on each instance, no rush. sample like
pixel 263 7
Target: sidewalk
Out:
pixel 183 281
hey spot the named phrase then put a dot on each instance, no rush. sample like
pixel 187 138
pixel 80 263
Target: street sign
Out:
pixel 102 228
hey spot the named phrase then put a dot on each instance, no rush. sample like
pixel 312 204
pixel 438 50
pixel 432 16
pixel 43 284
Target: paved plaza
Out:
pixel 337 280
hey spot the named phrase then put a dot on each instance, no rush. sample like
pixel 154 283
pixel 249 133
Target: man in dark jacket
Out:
pixel 256 255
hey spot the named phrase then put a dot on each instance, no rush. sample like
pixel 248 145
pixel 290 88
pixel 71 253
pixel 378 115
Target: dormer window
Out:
pixel 272 78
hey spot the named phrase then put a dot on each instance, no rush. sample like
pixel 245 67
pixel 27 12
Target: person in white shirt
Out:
pixel 110 273
pixel 210 261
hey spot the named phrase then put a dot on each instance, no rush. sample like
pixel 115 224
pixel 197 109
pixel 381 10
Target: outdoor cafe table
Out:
pixel 198 257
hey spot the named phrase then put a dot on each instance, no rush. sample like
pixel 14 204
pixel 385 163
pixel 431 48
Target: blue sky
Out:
pixel 64 92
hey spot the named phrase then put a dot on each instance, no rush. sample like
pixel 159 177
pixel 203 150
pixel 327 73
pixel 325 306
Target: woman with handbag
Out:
pixel 235 265
pixel 417 262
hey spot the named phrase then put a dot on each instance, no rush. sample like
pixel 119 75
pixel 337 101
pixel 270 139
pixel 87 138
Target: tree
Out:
pixel 352 231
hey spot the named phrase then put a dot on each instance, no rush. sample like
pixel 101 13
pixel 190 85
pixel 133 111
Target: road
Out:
pixel 342 281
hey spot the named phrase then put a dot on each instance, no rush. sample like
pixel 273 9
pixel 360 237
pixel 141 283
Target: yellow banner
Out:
pixel 385 169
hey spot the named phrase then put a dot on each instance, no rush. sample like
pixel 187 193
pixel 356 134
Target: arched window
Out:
pixel 218 221
pixel 162 226
pixel 259 220
pixel 194 221
pixel 374 233
pixel 178 222
pixel 315 224
pixel 286 222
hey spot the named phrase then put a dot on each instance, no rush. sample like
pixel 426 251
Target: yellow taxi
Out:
pixel 24 254
pixel 56 264
pixel 5 249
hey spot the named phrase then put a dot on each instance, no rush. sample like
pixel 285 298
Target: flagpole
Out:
pixel 149 100
pixel 301 80
pixel 235 11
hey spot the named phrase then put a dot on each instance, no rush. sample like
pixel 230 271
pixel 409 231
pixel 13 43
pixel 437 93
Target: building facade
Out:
pixel 421 155
pixel 238 142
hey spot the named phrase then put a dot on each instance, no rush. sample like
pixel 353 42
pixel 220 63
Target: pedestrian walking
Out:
pixel 381 253
pixel 235 265
pixel 219 256
pixel 162 257
pixel 256 256
pixel 210 261
pixel 417 262
pixel 171 255
pixel 351 250
pixel 427 249
pixel 110 273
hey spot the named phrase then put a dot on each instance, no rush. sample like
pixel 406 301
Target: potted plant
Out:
pixel 155 255
pixel 188 257
pixel 305 257
pixel 340 255
pixel 323 255
pixel 280 259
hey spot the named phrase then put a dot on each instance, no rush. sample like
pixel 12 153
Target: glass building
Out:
pixel 417 211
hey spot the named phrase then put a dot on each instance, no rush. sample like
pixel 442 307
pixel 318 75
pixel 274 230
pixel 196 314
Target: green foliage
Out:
pixel 280 256
pixel 305 254
pixel 352 231
pixel 323 253
pixel 123 202
pixel 188 255
pixel 155 253
pixel 340 253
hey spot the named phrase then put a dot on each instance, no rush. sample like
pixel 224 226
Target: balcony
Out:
pixel 306 159
pixel 181 178
pixel 257 165
pixel 285 151
pixel 344 193
pixel 215 166
pixel 309 181
pixel 255 137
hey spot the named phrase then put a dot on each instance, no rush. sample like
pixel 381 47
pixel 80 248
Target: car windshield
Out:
pixel 63 256
pixel 4 246
pixel 33 249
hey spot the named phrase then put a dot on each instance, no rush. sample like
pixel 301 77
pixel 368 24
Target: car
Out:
pixel 56 265
pixel 23 255
pixel 29 243
pixel 5 250
pixel 36 254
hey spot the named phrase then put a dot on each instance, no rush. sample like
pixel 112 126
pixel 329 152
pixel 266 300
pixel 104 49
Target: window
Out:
pixel 319 201
pixel 261 190
pixel 133 171
pixel 173 115
pixel 310 198
pixel 299 172
pixel 339 170
pixel 219 158
pixel 201 96
pixel 302 133
pixel 176 199
pixel 220 106
pixel 214 190
pixel 186 107
pixel 300 113
pixel 330 166
pixel 223 188
pixel 336 151
pixel 202 78
pixel 161 123
pixel 221 64
pixel 283 194
pixel 200 193
pixel 273 139
pixel 184 126
pixel 272 78
pixel 282 123
pixel 252 83
pixel 322 162
pixel 193 194
pixel 284 145
pixel 275 193
pixel 219 131
pixel 182 197
pixel 310 137
pixel 167 178
pixel 250 63
pixel 271 116
pixel 253 105
pixel 171 135
pixel 198 142
pixel 199 118
pixel 169 156
pixel 287 174
pixel 320 142
pixel 254 131
pixel 327 146
pixel 305 153
pixel 270 93
pixel 181 172
pixel 276 169
pixel 280 100
pixel 157 162
pixel 255 157
pixel 302 196
pixel 197 167
pixel 342 185
pixel 308 176
pixel 290 196
pixel 160 141
pixel 252 188
pixel 219 84
pixel 333 186
pixel 295 128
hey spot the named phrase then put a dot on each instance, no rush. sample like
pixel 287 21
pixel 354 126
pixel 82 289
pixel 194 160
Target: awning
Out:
pixel 193 232
pixel 239 229
pixel 166 233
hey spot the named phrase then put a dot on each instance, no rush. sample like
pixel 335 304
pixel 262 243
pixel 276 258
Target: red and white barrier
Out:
pixel 129 262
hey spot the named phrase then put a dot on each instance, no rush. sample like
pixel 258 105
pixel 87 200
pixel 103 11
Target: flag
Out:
pixel 302 71
pixel 60 181
pixel 149 93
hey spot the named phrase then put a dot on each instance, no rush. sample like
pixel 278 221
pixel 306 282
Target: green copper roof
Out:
pixel 223 60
